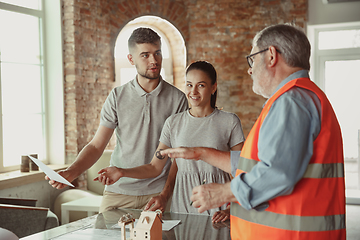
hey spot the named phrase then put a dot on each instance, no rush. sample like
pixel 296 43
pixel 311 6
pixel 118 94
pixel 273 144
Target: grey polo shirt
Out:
pixel 138 118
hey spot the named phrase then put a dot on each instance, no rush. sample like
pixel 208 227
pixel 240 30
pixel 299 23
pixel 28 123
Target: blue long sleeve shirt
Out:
pixel 285 147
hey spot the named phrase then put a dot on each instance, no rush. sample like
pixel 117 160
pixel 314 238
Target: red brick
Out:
pixel 219 31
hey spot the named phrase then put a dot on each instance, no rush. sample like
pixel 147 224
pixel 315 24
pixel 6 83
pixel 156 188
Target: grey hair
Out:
pixel 290 40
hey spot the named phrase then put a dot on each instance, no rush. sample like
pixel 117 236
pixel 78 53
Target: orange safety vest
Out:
pixel 316 207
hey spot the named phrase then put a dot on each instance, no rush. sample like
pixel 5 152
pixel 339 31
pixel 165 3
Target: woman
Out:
pixel 202 125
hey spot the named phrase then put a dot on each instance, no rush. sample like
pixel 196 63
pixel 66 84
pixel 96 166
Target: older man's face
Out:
pixel 259 74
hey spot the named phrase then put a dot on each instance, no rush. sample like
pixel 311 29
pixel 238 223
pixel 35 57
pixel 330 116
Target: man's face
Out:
pixel 259 74
pixel 147 59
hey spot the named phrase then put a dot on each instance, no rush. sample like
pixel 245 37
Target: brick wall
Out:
pixel 217 31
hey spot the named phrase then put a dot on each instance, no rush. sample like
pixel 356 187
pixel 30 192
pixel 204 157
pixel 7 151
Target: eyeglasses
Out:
pixel 251 61
pixel 249 57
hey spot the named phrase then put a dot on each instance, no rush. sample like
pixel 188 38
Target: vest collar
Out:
pixel 295 75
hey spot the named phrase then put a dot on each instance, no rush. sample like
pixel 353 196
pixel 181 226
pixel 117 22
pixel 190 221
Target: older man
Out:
pixel 289 181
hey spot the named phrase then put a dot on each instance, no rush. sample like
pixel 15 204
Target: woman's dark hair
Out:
pixel 209 69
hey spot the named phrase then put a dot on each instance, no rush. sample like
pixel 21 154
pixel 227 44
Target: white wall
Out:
pixel 320 13
pixel 54 81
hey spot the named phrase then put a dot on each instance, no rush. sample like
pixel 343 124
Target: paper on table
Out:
pixel 167 225
pixel 49 172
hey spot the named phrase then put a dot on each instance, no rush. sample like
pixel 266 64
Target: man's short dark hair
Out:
pixel 143 35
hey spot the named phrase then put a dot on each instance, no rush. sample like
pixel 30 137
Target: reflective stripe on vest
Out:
pixel 314 170
pixel 292 222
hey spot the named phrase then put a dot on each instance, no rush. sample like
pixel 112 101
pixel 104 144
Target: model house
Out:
pixel 148 227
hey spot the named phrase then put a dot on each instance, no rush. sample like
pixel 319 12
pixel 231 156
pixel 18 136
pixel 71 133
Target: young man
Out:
pixel 137 112
pixel 289 181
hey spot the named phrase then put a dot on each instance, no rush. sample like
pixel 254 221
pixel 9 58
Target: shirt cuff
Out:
pixel 242 193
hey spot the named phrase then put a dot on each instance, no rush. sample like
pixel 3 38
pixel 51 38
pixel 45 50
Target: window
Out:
pixel 336 69
pixel 26 121
pixel 340 39
pixel 32 4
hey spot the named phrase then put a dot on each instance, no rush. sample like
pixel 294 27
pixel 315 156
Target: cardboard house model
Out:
pixel 126 219
pixel 149 227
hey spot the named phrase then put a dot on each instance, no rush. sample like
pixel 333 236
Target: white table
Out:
pixel 87 204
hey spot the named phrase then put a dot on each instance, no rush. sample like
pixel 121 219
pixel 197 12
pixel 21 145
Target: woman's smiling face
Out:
pixel 198 88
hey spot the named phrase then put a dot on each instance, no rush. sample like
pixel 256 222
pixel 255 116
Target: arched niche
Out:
pixel 173 47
